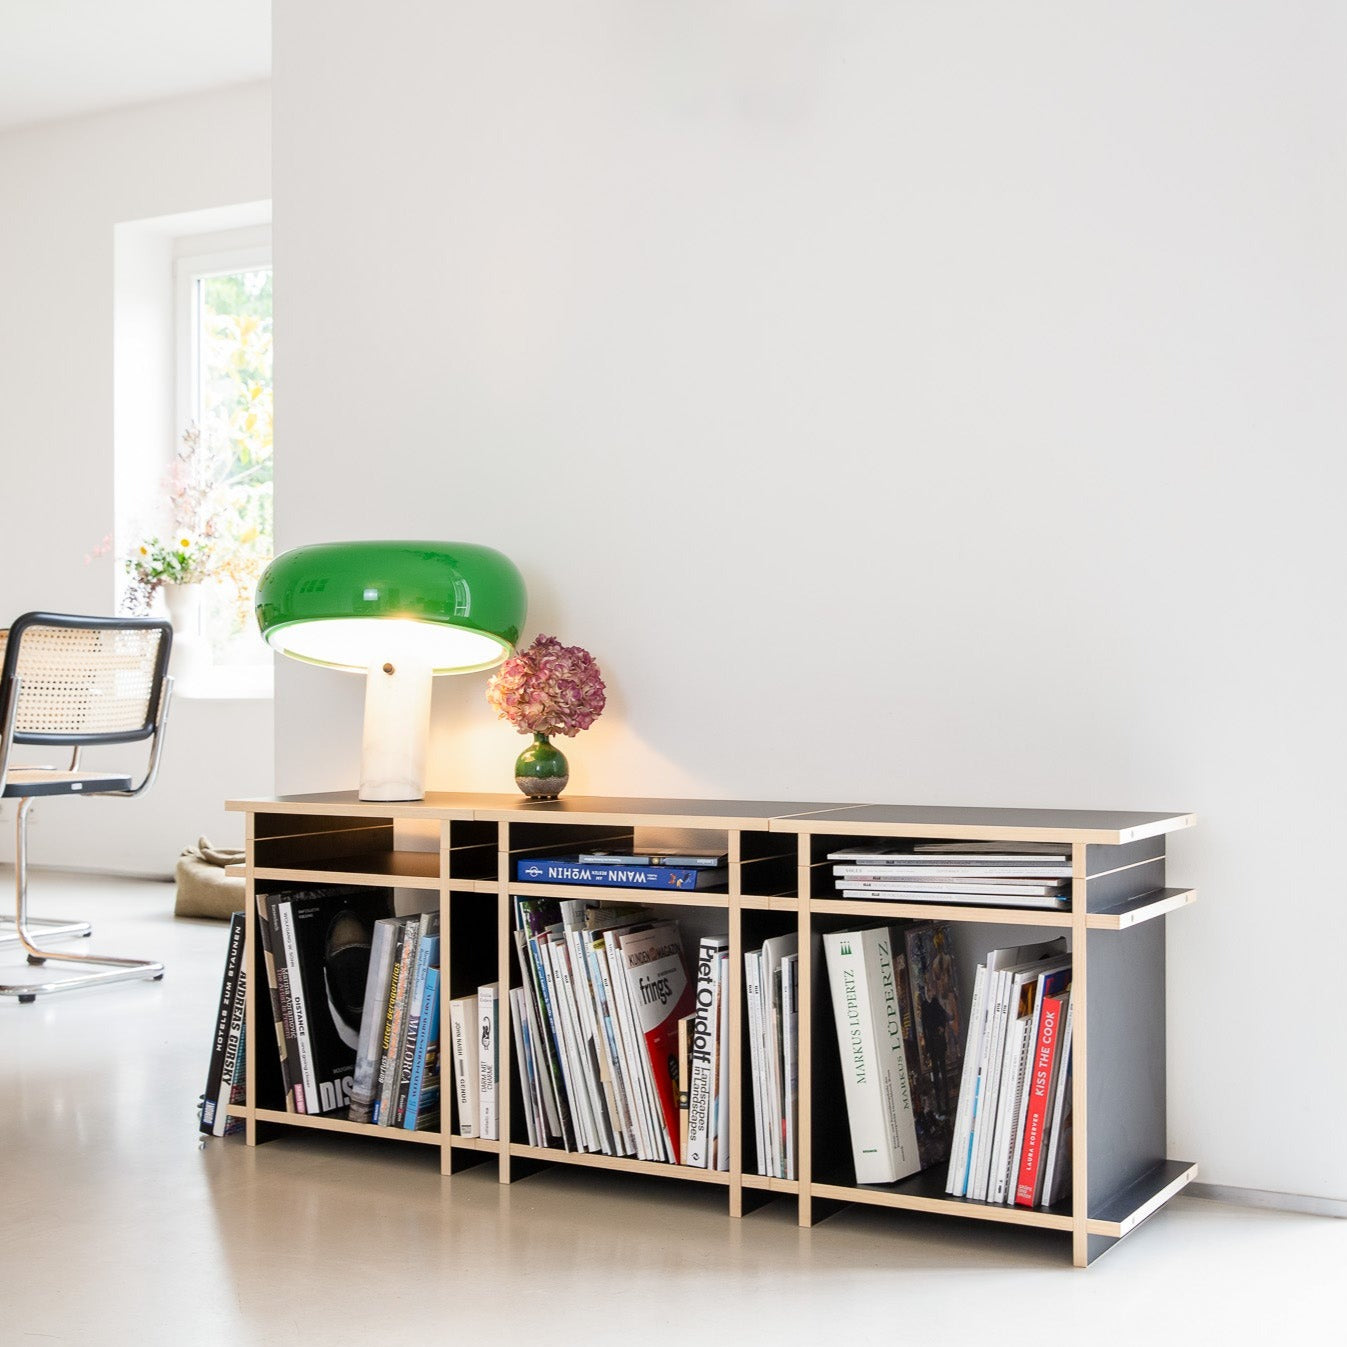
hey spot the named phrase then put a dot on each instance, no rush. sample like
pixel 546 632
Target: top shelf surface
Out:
pixel 1066 825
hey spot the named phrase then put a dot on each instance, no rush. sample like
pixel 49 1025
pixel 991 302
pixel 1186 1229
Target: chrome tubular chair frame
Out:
pixel 91 681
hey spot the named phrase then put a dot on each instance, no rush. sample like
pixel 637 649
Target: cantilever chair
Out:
pixel 73 682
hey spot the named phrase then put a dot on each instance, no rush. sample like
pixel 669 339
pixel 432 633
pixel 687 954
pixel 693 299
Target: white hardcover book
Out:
pixel 463 1035
pixel 488 1059
pixel 532 1102
pixel 753 997
pixel 956 1183
pixel 702 1085
pixel 1057 1166
pixel 722 1110
pixel 773 951
pixel 790 1020
pixel 870 1043
pixel 298 1008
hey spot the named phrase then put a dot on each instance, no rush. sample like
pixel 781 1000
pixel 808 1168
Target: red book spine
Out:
pixel 661 1044
pixel 1036 1120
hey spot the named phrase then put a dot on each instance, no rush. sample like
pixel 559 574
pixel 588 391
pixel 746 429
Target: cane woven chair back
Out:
pixel 85 680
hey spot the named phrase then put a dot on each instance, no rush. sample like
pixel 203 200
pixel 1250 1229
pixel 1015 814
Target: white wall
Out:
pixel 66 187
pixel 907 402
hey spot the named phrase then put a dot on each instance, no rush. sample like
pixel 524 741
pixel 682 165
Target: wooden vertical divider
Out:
pixel 1080 1178
pixel 250 999
pixel 735 992
pixel 504 1029
pixel 804 1010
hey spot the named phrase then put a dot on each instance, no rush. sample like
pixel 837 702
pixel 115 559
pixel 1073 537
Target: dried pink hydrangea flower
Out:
pixel 549 688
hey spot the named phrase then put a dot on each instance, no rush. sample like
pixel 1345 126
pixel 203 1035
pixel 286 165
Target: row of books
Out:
pixel 1022 874
pixel 597 1027
pixel 896 1009
pixel 1012 1134
pixel 224 1076
pixel 473 1024
pixel 686 870
pixel 772 992
pixel 316 949
pixel 395 1081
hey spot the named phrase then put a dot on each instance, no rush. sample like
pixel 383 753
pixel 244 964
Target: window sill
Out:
pixel 227 683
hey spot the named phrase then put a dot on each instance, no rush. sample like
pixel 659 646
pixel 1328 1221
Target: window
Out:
pixel 220 482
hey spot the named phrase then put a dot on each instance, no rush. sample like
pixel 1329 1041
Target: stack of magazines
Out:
pixel 772 990
pixel 1021 874
pixel 597 1026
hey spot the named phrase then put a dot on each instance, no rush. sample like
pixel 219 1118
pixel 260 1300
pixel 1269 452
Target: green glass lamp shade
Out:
pixel 456 607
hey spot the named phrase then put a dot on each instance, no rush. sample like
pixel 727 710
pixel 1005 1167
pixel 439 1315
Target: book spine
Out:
pixel 428 1026
pixel 722 1108
pixel 536 871
pixel 1036 1116
pixel 308 1101
pixel 992 1050
pixel 266 936
pixel 956 1183
pixel 232 1082
pixel 585 1105
pixel 597 963
pixel 212 1101
pixel 606 957
pixel 873 1147
pixel 790 992
pixel 527 1086
pixel 549 1037
pixel 365 1076
pixel 488 1055
pixel 753 998
pixel 461 1025
pixel 545 1082
pixel 427 956
pixel 701 1083
pixel 388 1044
pixel 1057 1167
pixel 1017 1057
pixel 883 969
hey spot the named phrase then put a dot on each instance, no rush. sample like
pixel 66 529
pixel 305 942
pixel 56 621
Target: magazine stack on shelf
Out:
pixel 316 947
pixel 397 1068
pixel 629 870
pixel 224 1077
pixel 772 989
pixel 896 1007
pixel 1021 874
pixel 1013 1128
pixel 597 1029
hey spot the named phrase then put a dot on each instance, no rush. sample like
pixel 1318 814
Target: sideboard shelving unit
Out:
pixel 779 880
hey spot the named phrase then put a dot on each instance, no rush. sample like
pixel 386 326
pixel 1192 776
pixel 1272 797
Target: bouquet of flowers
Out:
pixel 547 689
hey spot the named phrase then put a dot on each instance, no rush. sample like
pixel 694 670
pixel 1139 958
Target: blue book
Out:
pixel 423 1094
pixel 568 870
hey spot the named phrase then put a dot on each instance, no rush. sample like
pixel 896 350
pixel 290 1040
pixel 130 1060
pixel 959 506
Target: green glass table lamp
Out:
pixel 400 613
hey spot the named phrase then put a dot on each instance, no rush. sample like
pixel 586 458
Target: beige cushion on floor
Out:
pixel 204 890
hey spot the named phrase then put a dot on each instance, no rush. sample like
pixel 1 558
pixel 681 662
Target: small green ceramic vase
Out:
pixel 541 770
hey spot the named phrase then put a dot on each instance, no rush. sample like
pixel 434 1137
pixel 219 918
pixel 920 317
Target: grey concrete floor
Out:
pixel 116 1227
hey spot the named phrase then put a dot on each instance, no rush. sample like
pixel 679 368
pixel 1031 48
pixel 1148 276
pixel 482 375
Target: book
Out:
pixel 463 1041
pixel 790 994
pixel 328 934
pixel 403 959
pixel 1038 1115
pixel 427 957
pixel 568 870
pixel 383 950
pixel 983 899
pixel 721 1156
pixel 774 950
pixel 533 917
pixel 956 1183
pixel 278 990
pixel 869 1038
pixel 1057 1166
pixel 524 1066
pixel 215 1097
pixel 703 1083
pixel 488 1059
pixel 422 1113
pixel 685 1033
pixel 292 999
pixel 995 851
pixel 753 997
pixel 936 1035
pixel 896 870
pixel 1048 984
pixel 661 995
pixel 710 860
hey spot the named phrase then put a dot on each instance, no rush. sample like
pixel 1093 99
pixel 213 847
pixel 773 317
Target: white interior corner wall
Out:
pixel 68 188
pixel 907 402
